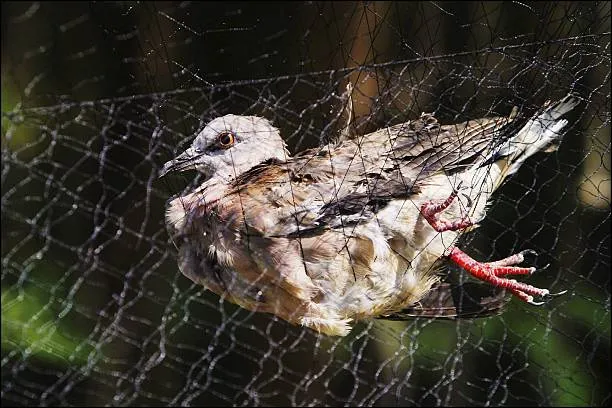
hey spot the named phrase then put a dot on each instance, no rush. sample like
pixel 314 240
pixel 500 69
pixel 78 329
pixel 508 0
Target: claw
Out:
pixel 470 203
pixel 531 302
pixel 528 251
pixel 563 292
pixel 544 267
pixel 456 189
pixel 546 296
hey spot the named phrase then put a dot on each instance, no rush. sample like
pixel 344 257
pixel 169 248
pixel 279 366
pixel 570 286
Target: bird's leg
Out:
pixel 430 212
pixel 487 271
pixel 490 272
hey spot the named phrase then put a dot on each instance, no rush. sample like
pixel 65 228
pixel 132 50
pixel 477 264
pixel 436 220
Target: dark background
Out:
pixel 97 96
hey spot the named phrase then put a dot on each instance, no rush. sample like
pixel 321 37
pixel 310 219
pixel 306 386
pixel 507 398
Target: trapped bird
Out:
pixel 354 229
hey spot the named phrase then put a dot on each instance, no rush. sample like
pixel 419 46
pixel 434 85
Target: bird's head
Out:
pixel 230 145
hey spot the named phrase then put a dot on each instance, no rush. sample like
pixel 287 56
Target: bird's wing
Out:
pixel 466 300
pixel 335 186
pixel 424 147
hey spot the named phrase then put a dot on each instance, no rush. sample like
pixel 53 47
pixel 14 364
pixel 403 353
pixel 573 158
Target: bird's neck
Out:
pixel 201 202
pixel 213 189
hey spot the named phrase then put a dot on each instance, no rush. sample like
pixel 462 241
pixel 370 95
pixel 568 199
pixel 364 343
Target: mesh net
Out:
pixel 97 96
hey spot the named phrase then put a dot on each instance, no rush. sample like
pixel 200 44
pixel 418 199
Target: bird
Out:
pixel 354 229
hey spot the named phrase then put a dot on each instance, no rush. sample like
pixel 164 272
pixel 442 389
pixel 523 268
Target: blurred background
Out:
pixel 97 96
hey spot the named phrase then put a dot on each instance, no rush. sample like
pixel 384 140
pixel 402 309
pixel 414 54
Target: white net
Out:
pixel 97 96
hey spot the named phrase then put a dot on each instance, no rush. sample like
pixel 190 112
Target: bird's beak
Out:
pixel 185 161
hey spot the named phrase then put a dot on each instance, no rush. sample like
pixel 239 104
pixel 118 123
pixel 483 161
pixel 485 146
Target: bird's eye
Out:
pixel 226 140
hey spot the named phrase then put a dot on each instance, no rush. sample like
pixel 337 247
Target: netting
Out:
pixel 97 96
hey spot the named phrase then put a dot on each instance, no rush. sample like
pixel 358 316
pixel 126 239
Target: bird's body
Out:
pixel 341 233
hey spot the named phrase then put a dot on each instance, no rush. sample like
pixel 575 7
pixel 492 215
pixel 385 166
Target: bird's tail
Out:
pixel 540 133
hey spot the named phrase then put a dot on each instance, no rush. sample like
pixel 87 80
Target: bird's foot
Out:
pixel 491 271
pixel 431 209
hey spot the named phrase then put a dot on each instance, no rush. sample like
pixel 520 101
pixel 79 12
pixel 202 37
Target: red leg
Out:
pixel 509 270
pixel 489 272
pixel 525 297
pixel 513 259
pixel 430 212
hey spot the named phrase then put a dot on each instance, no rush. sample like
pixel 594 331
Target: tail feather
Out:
pixel 540 133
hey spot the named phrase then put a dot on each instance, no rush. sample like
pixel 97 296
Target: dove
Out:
pixel 354 229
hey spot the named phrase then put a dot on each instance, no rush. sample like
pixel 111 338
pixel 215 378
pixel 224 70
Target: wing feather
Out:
pixel 348 183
